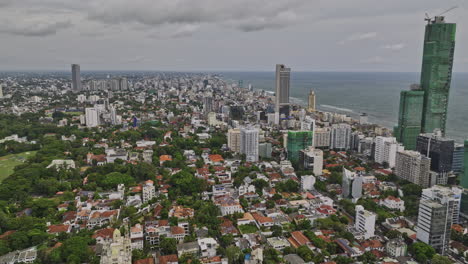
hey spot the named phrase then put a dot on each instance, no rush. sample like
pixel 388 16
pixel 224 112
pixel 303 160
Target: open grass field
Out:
pixel 9 162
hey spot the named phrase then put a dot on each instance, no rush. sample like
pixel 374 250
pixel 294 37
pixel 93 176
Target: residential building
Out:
pixel 297 141
pixel 234 140
pixel 136 236
pixel 148 191
pixel 340 137
pixel 365 221
pixel 414 167
pixel 385 150
pixel 118 250
pixel 434 222
pixel 352 185
pixel 208 247
pixel 322 137
pixel 393 203
pixel 396 248
pixel 436 72
pixel 445 195
pixel 92 117
pixel 249 144
pixel 410 117
pixel 311 159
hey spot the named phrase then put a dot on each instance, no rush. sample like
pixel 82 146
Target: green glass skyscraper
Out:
pixel 436 73
pixel 464 176
pixel 297 141
pixel 409 117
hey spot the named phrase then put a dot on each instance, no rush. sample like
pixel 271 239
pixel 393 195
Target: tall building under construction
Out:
pixel 436 72
pixel 424 109
pixel 409 117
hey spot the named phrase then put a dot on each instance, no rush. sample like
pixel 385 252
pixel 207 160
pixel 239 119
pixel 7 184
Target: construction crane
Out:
pixel 428 18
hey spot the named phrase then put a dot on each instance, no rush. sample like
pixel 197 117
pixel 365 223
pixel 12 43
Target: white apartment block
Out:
pixel 365 221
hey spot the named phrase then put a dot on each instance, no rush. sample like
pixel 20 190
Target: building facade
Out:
pixel 311 159
pixel 340 137
pixel 234 140
pixel 414 167
pixel 311 106
pixel 249 143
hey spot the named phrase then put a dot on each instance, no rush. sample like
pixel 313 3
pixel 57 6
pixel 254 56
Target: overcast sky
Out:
pixel 307 35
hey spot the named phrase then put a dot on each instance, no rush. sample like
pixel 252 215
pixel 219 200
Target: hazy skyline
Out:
pixel 217 35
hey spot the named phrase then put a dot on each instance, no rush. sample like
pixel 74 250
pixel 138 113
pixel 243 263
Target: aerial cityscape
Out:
pixel 226 167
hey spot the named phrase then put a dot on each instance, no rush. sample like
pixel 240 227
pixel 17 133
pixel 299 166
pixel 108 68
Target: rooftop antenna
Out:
pixel 428 18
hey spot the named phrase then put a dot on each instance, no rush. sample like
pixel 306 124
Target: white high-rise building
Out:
pixel 438 210
pixel 249 144
pixel 234 140
pixel 311 159
pixel 340 138
pixel 81 98
pixel 365 221
pixel 444 194
pixel 92 117
pixel 386 149
pixel 1 90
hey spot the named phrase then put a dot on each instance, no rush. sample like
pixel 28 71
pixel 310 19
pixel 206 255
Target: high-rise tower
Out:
pixel 436 72
pixel 409 117
pixel 76 77
pixel 282 90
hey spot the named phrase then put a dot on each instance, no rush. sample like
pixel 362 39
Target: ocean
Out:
pixel 353 93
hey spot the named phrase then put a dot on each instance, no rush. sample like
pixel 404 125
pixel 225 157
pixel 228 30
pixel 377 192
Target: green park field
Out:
pixel 9 162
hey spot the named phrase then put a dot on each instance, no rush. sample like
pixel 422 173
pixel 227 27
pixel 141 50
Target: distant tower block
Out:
pixel 241 84
pixel 76 77
pixel 311 107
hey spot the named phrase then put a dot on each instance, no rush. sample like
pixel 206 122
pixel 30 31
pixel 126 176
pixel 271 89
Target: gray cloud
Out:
pixel 34 28
pixel 395 47
pixel 245 15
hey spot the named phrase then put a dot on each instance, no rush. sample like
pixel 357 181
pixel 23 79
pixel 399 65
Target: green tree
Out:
pixel 438 259
pixel 421 252
pixel 168 246
pixel 234 255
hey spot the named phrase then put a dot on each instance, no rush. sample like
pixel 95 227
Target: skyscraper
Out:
pixel 234 140
pixel 297 141
pixel 76 77
pixel 365 221
pixel 311 107
pixel 282 90
pixel 249 143
pixel 436 73
pixel 351 185
pixel 409 117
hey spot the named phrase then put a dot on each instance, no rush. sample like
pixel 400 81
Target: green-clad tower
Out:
pixel 464 176
pixel 409 117
pixel 436 73
pixel 297 141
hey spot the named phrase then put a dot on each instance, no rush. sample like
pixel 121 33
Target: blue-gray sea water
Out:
pixel 374 93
